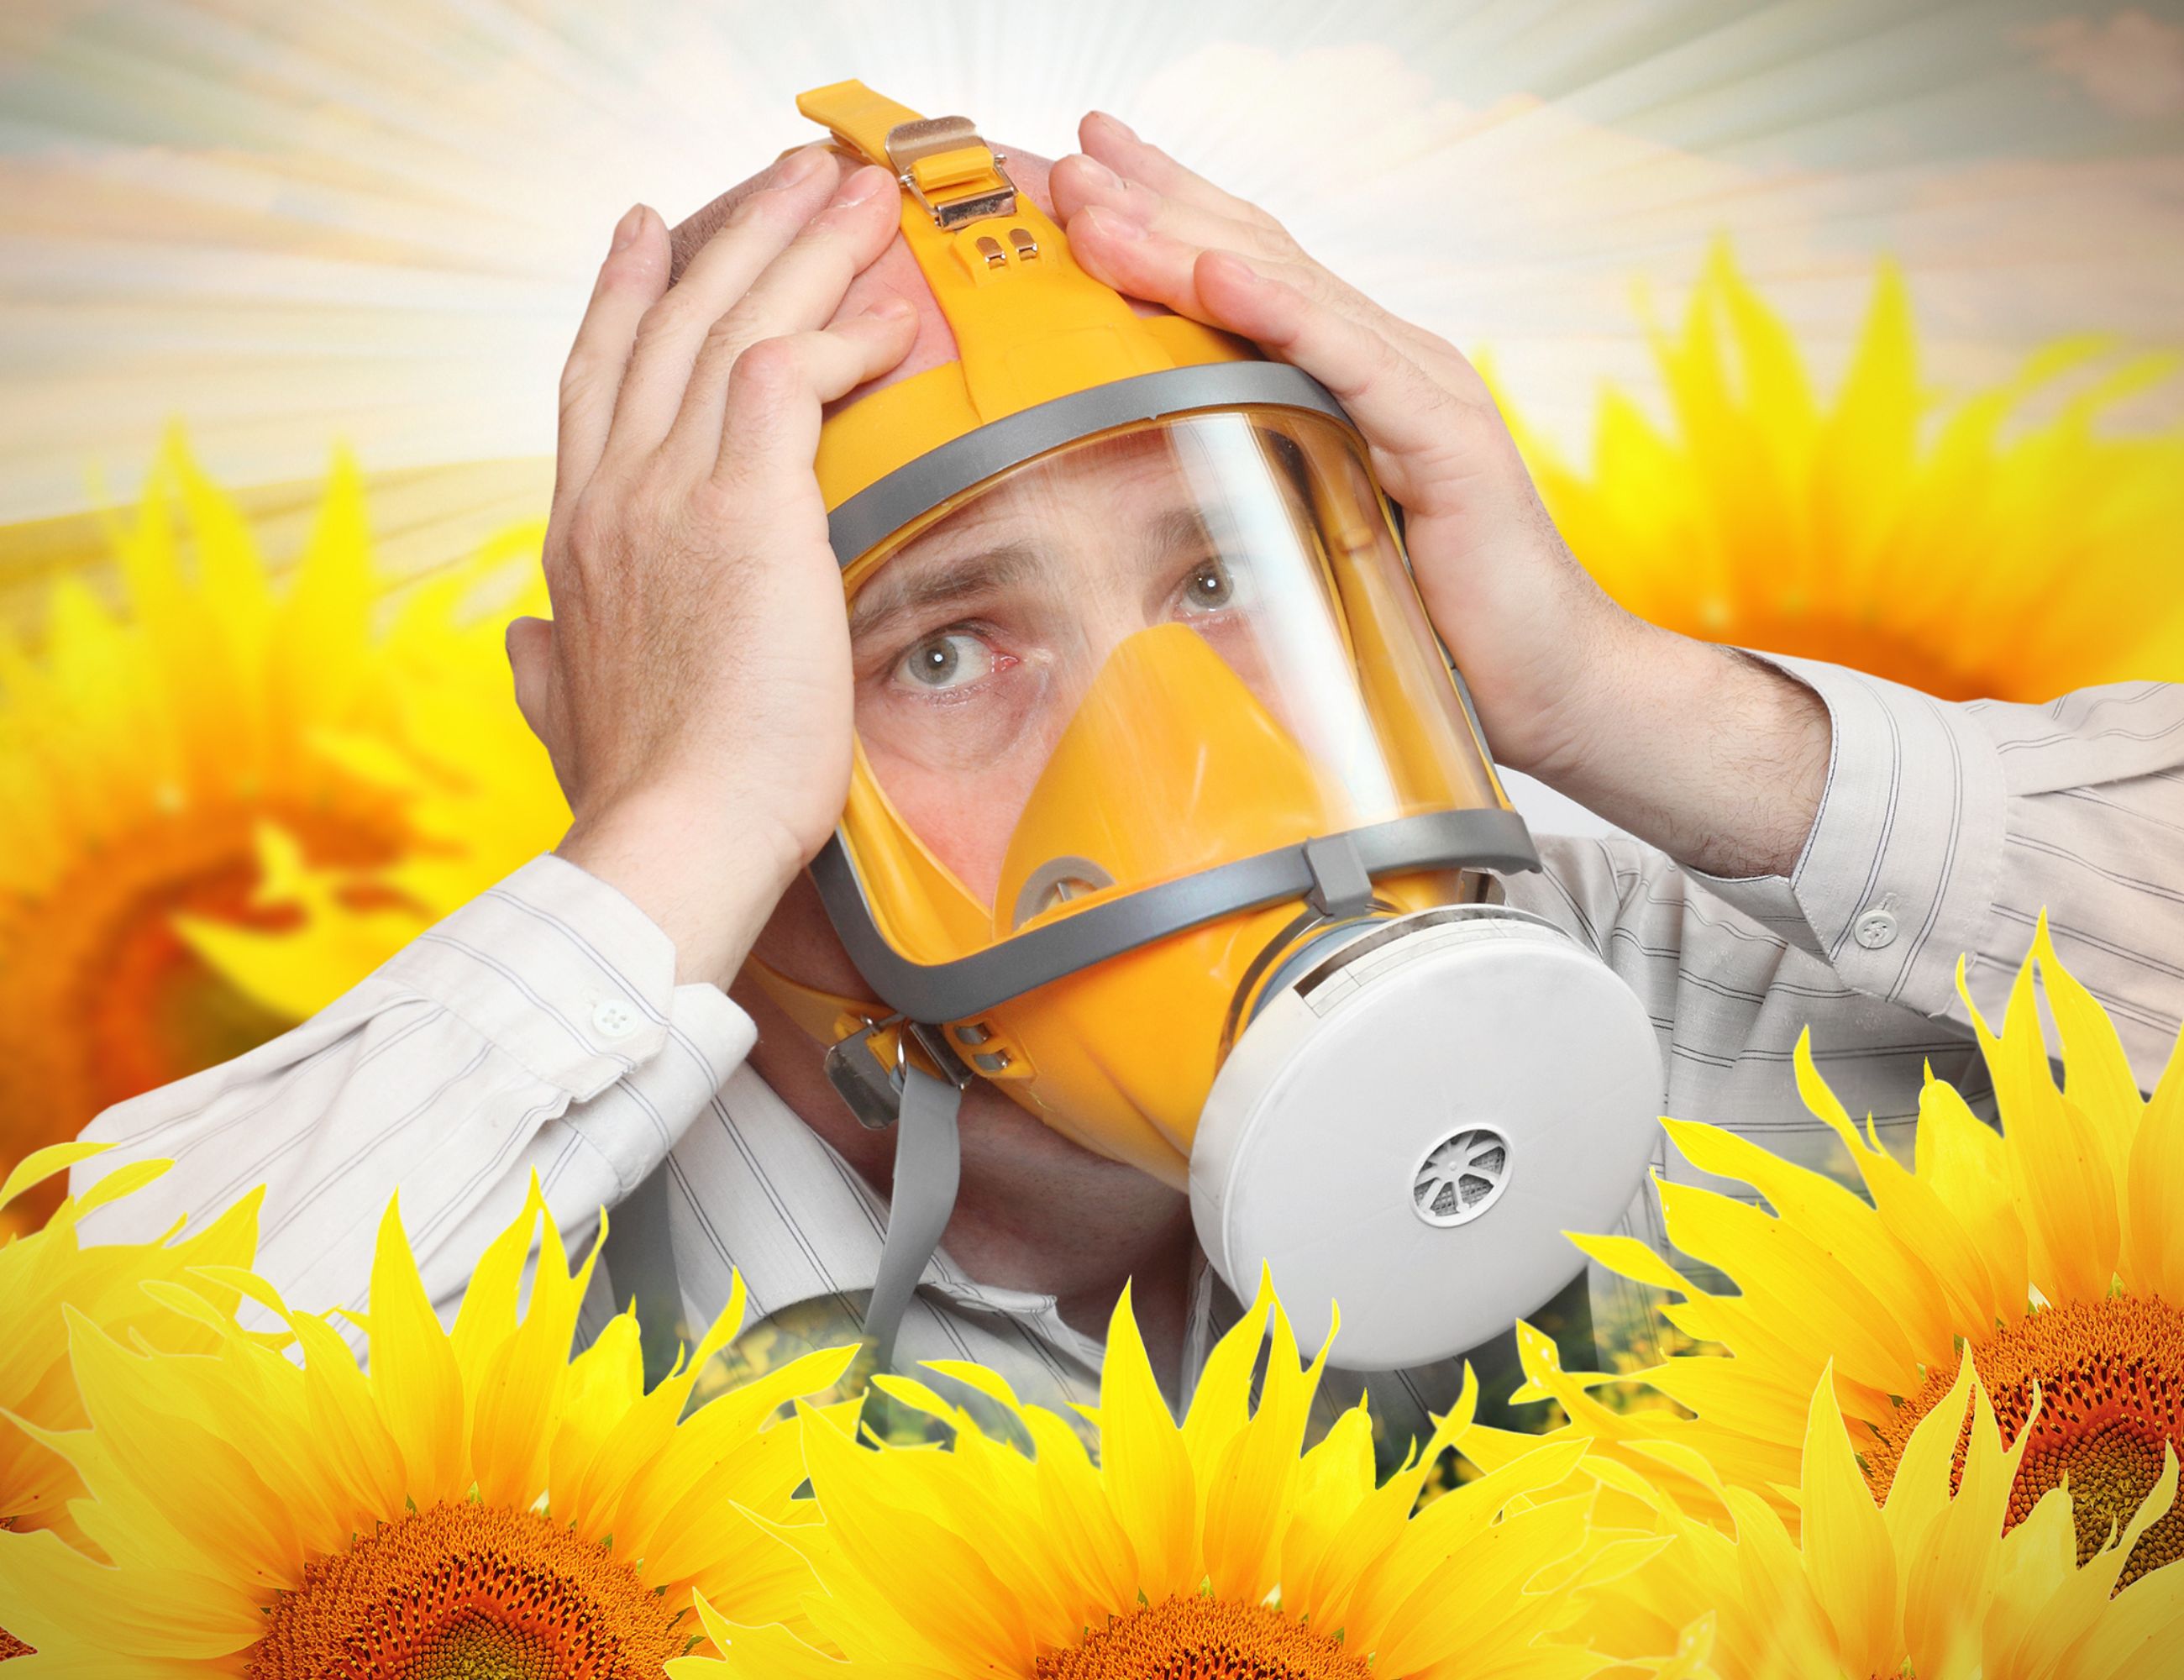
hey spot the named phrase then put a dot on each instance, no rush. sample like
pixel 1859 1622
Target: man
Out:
pixel 1812 846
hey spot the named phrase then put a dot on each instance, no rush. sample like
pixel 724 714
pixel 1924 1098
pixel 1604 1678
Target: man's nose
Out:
pixel 1104 620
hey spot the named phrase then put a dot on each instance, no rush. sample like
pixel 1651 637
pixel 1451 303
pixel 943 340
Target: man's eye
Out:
pixel 955 659
pixel 1210 588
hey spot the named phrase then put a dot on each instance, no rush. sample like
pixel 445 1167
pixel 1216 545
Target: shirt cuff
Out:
pixel 1899 874
pixel 566 975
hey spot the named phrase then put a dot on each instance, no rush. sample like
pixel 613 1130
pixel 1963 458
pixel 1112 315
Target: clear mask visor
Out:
pixel 1133 659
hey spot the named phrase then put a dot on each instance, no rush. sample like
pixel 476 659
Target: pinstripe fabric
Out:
pixel 483 1052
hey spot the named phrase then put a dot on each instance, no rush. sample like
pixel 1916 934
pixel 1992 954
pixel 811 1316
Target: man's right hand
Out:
pixel 693 687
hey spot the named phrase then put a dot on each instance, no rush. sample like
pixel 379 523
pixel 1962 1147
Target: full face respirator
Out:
pixel 1169 817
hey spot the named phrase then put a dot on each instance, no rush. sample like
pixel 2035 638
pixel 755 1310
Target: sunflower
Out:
pixel 2049 1255
pixel 42 1270
pixel 1212 1549
pixel 1946 1578
pixel 474 1502
pixel 478 796
pixel 1994 554
pixel 149 752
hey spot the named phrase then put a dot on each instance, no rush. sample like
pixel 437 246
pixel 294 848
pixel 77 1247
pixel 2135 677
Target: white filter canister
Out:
pixel 1408 1129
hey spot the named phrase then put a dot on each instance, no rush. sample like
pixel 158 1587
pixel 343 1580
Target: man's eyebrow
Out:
pixel 1181 526
pixel 897 591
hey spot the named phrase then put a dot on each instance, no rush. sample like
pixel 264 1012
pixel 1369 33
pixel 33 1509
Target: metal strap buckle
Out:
pixel 872 1090
pixel 908 143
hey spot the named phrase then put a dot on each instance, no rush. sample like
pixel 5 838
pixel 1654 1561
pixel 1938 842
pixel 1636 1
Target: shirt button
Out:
pixel 613 1018
pixel 1875 930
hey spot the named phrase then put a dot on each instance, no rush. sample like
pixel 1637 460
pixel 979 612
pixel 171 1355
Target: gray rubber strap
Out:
pixel 928 1165
pixel 640 1261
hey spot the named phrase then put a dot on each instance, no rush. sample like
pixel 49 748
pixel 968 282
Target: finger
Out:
pixel 689 236
pixel 530 643
pixel 630 282
pixel 1126 254
pixel 1387 393
pixel 774 397
pixel 672 330
pixel 1403 411
pixel 1080 182
pixel 1172 271
pixel 799 292
pixel 1115 143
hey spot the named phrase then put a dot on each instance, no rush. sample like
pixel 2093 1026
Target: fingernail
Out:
pixel 1116 123
pixel 1238 270
pixel 862 186
pixel 888 308
pixel 625 231
pixel 1113 223
pixel 801 166
pixel 1102 177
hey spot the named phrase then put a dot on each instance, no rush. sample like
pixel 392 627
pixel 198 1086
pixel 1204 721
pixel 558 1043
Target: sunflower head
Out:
pixel 2047 1255
pixel 46 1274
pixel 128 1289
pixel 1992 552
pixel 1215 1547
pixel 1944 1578
pixel 148 748
pixel 473 1502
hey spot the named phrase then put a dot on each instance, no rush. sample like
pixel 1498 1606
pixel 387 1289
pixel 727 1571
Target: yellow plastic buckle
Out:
pixel 954 175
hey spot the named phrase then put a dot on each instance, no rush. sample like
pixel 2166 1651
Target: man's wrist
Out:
pixel 708 878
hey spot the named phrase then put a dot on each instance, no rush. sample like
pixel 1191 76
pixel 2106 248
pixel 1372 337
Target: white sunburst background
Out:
pixel 374 221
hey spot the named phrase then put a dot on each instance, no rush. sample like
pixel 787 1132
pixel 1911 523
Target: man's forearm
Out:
pixel 1713 756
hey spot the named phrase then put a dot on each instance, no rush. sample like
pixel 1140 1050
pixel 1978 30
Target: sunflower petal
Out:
pixel 1145 1464
pixel 1848 1555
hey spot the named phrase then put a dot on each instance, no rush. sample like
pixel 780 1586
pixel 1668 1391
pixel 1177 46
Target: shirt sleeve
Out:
pixel 1946 830
pixel 538 1029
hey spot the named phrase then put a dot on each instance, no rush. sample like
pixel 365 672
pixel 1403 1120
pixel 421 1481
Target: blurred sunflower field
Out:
pixel 1846 329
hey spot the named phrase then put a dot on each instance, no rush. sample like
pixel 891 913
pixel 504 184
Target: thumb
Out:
pixel 531 661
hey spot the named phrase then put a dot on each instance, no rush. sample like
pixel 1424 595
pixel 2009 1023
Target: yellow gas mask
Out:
pixel 1168 816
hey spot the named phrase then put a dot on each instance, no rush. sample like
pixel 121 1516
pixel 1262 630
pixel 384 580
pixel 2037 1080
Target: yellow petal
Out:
pixel 1143 1465
pixel 414 1374
pixel 1848 1555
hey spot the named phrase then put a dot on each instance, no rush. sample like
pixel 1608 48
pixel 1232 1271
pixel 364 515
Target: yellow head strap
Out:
pixel 1029 324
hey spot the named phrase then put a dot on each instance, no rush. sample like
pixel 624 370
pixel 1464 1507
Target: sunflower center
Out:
pixel 9 1644
pixel 467 1592
pixel 100 997
pixel 1197 1638
pixel 2109 1378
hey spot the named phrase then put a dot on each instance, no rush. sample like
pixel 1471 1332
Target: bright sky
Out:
pixel 287 224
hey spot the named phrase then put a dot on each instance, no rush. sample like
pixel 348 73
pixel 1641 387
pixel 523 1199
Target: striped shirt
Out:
pixel 540 1029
